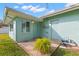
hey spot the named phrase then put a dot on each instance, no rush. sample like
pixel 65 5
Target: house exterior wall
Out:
pixel 60 27
pixel 64 26
pixel 12 34
pixel 25 36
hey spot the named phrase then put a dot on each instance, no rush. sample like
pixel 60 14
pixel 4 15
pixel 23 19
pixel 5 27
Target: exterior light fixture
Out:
pixel 33 21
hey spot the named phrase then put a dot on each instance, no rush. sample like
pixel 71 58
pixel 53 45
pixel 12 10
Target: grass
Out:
pixel 4 37
pixel 9 48
pixel 71 53
pixel 66 52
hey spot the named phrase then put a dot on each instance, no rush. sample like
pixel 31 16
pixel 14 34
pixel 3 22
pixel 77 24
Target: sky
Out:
pixel 35 9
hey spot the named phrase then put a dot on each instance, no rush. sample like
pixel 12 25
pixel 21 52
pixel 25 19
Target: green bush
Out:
pixel 43 45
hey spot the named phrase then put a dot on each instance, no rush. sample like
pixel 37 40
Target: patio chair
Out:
pixel 69 43
pixel 65 43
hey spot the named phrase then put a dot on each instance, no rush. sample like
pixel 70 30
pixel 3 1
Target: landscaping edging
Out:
pixel 22 48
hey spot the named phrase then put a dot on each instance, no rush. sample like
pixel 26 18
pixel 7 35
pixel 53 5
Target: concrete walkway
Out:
pixel 29 48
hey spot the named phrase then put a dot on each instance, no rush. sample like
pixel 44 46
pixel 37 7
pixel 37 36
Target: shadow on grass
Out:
pixel 59 52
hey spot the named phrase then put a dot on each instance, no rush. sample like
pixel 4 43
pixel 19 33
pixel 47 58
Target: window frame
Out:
pixel 26 26
pixel 11 27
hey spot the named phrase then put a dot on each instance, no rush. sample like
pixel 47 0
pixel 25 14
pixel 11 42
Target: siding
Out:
pixel 25 36
pixel 12 34
pixel 64 26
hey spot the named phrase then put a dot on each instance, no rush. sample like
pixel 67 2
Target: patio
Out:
pixel 29 48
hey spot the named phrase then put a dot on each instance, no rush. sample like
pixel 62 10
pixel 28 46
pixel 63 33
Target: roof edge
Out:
pixel 19 14
pixel 71 8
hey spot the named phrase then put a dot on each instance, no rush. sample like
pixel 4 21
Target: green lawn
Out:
pixel 66 52
pixel 9 48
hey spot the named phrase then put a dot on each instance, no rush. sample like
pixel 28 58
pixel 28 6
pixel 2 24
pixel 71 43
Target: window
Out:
pixel 11 27
pixel 25 26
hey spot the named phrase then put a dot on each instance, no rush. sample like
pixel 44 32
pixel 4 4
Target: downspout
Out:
pixel 32 25
pixel 51 29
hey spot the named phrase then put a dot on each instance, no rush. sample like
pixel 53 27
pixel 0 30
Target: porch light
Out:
pixel 33 21
pixel 50 24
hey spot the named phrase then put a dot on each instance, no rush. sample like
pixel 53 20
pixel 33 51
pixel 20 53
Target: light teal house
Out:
pixel 60 25
pixel 22 27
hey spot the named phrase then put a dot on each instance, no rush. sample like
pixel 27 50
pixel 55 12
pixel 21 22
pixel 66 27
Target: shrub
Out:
pixel 43 45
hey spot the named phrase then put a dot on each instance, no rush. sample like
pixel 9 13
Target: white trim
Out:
pixel 15 13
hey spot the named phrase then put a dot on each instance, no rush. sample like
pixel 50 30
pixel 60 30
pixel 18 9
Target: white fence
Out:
pixel 4 30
